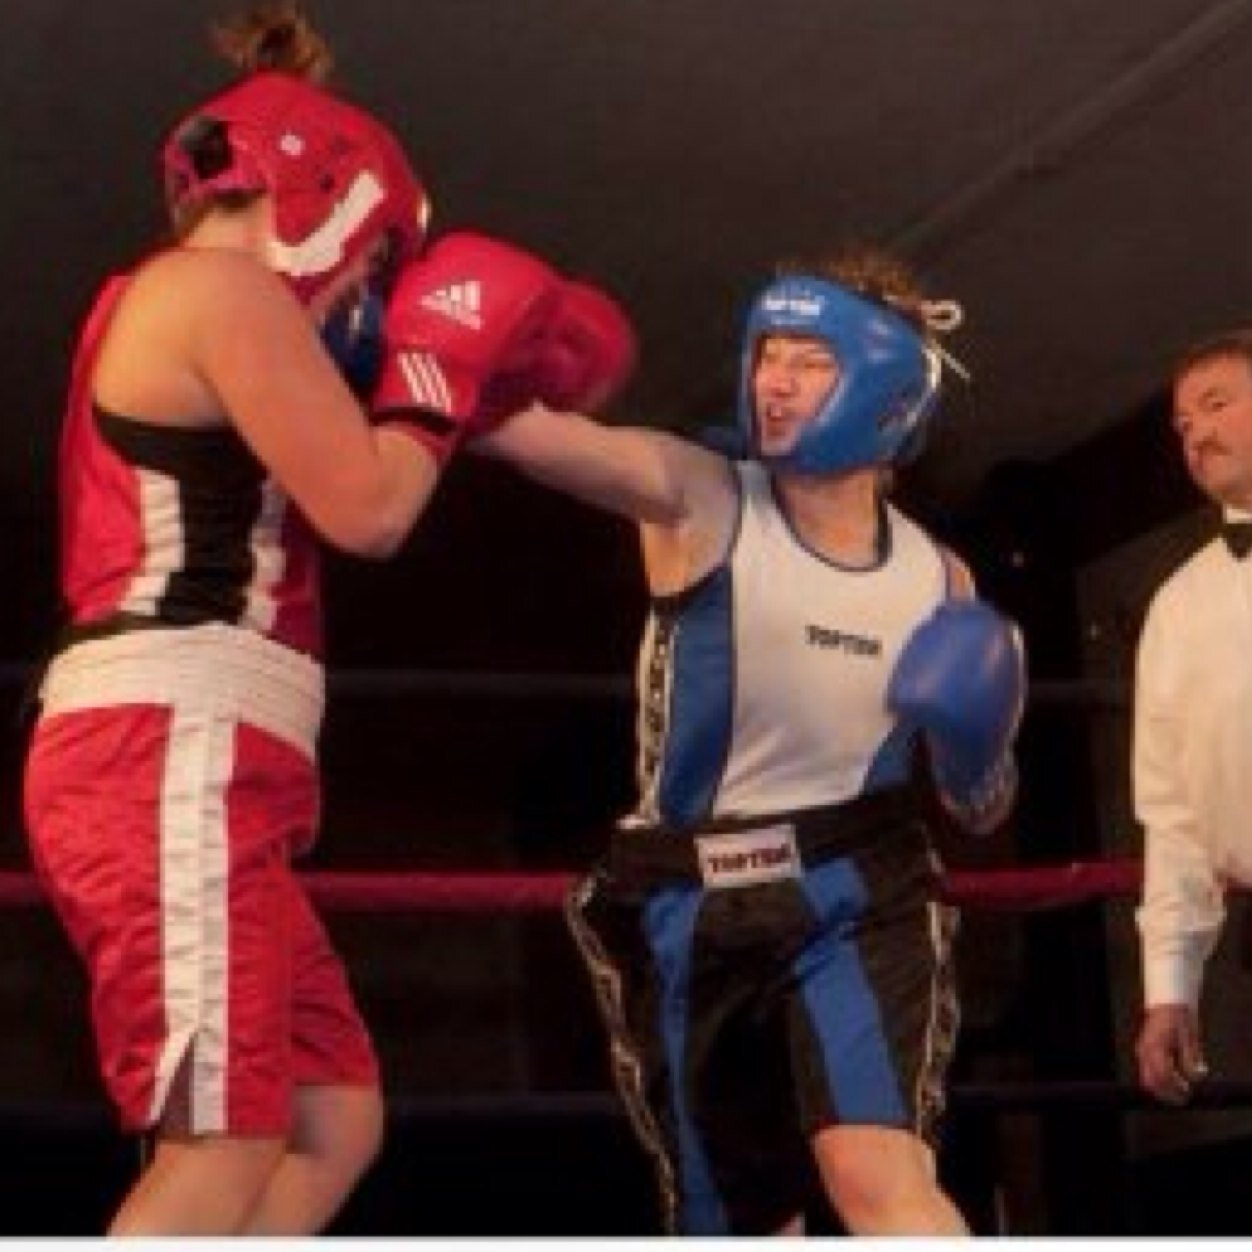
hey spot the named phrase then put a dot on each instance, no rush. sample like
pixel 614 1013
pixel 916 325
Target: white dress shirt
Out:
pixel 1193 765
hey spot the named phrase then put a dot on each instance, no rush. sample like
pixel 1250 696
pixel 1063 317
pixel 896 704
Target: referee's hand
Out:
pixel 1168 1050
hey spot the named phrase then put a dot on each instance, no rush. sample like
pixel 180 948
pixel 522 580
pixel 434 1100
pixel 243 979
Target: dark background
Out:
pixel 1075 173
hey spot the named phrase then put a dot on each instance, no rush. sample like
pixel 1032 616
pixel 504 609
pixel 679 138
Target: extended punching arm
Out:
pixel 961 679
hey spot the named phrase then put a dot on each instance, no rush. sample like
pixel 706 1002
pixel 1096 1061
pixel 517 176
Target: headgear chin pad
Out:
pixel 887 386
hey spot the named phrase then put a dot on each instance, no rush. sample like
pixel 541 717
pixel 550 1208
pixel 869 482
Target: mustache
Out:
pixel 1205 446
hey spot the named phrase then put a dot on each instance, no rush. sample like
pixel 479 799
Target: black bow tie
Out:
pixel 1238 537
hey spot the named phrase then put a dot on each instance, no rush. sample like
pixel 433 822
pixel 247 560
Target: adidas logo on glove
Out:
pixel 462 302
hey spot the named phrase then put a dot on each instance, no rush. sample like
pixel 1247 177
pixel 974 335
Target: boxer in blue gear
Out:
pixel 765 937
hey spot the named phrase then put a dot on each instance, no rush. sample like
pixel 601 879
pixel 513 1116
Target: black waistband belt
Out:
pixel 745 851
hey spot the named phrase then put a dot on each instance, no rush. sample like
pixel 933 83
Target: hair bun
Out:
pixel 275 36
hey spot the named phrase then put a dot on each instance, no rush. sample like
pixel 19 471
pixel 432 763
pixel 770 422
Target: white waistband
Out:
pixel 231 671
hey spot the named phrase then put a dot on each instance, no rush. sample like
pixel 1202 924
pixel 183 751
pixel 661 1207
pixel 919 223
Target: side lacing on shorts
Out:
pixel 941 1030
pixel 624 1051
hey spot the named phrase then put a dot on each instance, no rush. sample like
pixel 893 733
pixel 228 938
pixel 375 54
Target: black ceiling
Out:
pixel 1077 174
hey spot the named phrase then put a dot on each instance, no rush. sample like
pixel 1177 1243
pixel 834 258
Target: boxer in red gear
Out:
pixel 211 443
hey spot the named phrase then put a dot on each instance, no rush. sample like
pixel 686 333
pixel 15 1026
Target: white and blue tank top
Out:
pixel 762 688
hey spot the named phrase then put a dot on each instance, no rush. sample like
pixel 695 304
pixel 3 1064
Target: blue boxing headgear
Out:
pixel 888 380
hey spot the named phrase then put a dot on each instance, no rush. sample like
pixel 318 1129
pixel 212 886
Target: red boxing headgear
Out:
pixel 339 179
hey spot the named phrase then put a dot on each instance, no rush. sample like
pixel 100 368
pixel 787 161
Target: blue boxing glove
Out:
pixel 961 679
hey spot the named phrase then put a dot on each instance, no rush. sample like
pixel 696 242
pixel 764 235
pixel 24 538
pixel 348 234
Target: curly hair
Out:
pixel 872 272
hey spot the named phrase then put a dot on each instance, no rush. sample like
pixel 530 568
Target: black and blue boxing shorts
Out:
pixel 765 979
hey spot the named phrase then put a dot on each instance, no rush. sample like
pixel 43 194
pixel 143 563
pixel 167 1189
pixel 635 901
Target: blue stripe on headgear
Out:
pixel 888 376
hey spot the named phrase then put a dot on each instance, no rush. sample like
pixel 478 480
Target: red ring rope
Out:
pixel 1017 889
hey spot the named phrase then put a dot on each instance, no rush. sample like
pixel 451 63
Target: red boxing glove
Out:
pixel 471 308
pixel 588 353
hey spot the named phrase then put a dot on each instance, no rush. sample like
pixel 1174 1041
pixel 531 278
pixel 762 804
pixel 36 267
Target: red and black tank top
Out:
pixel 174 526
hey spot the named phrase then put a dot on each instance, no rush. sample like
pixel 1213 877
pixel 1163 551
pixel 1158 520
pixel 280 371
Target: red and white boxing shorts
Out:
pixel 170 779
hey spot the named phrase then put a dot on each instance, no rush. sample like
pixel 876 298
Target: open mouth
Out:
pixel 775 424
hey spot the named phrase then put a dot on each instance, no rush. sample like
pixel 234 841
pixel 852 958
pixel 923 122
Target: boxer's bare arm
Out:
pixel 683 496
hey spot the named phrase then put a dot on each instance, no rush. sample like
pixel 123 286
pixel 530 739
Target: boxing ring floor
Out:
pixel 440 886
